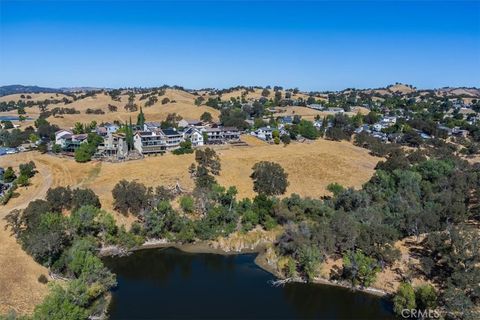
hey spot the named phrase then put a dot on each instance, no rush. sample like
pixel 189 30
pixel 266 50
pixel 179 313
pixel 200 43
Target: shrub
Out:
pixel 43 279
pixel 187 204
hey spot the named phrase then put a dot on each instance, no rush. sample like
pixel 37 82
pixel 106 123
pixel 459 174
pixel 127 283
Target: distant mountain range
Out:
pixel 398 88
pixel 18 88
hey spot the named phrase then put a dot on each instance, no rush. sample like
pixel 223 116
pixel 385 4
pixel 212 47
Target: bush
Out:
pixel 56 148
pixel 285 139
pixel 187 204
pixel 43 279
pixel 335 188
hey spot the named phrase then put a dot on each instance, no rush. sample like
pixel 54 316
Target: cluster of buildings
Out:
pixel 321 107
pixel 376 130
pixel 150 138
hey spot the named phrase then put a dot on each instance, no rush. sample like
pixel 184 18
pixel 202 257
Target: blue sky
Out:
pixel 313 45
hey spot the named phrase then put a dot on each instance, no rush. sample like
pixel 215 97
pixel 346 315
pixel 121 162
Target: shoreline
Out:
pixel 260 260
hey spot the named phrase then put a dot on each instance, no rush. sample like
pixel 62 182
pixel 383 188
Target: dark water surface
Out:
pixel 169 283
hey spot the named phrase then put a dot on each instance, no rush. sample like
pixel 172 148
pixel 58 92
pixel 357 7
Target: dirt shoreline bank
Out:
pixel 260 260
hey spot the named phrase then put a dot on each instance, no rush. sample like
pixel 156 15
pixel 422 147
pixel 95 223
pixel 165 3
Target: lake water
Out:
pixel 12 118
pixel 169 283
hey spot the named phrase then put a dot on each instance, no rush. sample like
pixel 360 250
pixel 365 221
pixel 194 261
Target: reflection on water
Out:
pixel 169 283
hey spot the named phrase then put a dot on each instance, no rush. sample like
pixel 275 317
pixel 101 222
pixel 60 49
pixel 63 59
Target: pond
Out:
pixel 169 283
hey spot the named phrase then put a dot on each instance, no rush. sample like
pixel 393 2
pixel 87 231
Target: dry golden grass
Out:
pixel 184 107
pixel 401 88
pixel 309 114
pixel 35 97
pixel 19 286
pixel 257 94
pixel 311 167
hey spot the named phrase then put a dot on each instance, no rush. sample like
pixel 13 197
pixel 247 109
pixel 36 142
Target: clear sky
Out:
pixel 313 45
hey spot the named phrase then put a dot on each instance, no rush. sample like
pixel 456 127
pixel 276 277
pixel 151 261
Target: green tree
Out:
pixel 84 197
pixel 23 180
pixel 78 128
pixel 58 305
pixel 359 268
pixel 9 175
pixel 307 130
pixel 130 196
pixel 426 297
pixel 59 198
pixel 83 153
pixel 27 169
pixel 269 178
pixel 404 298
pixel 140 118
pixel 206 117
pixel 309 259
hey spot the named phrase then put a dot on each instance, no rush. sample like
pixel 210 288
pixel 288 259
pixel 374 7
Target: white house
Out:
pixel 336 110
pixel 61 137
pixel 194 135
pixel 264 133
pixel 150 142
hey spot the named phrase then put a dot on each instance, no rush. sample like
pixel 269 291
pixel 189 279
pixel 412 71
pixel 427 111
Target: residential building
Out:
pixel 460 132
pixel 194 135
pixel 151 126
pixel 264 133
pixel 74 142
pixel 220 135
pixel 61 137
pixel 107 128
pixel 190 123
pixel 149 142
pixel 114 145
pixel 172 138
pixel 316 106
pixel 336 110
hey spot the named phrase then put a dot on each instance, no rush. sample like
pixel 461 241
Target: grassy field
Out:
pixel 184 106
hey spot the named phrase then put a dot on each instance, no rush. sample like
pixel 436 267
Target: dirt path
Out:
pixel 34 192
pixel 19 286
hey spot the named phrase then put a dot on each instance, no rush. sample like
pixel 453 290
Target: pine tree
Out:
pixel 129 135
pixel 140 118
